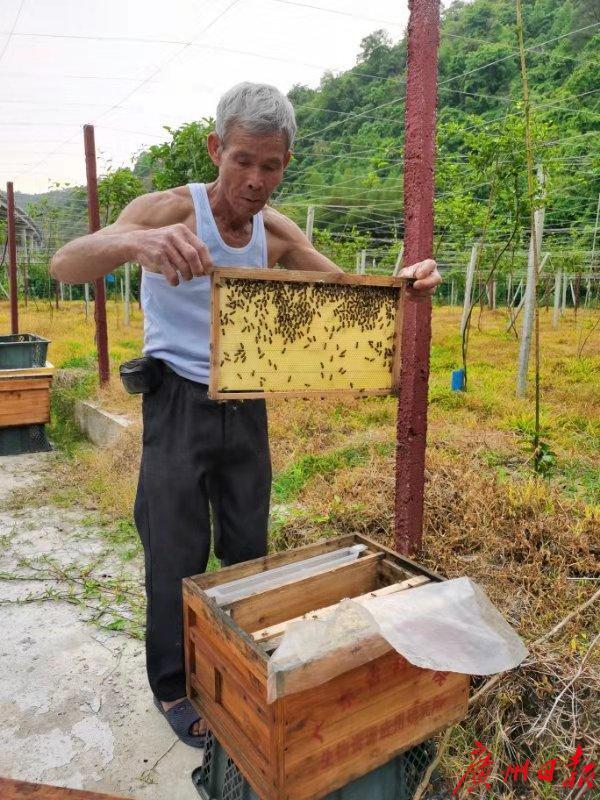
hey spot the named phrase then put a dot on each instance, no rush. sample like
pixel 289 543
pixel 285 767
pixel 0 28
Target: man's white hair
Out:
pixel 257 108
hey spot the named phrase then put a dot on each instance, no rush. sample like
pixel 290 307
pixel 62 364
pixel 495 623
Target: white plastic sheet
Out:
pixel 449 626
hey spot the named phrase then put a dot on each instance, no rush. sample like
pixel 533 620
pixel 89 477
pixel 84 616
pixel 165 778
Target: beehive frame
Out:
pixel 295 333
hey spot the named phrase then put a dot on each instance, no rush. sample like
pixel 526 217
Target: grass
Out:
pixel 487 420
pixel 62 430
pixel 532 543
pixel 290 482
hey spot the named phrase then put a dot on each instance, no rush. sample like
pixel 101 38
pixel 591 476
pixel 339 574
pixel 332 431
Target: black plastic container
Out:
pixel 23 439
pixel 219 778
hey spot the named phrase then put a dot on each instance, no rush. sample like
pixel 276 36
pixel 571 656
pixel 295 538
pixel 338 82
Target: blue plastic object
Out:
pixel 219 778
pixel 458 380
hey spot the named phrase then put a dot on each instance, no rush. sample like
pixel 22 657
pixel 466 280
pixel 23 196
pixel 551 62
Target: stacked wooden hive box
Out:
pixel 321 733
pixel 25 380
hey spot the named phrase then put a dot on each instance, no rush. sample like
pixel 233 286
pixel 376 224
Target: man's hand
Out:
pixel 173 251
pixel 426 279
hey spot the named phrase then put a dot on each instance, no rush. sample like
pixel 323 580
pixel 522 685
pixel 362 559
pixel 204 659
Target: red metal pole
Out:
pixel 94 225
pixel 419 160
pixel 12 258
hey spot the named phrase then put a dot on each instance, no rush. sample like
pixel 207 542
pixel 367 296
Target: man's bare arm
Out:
pixel 147 231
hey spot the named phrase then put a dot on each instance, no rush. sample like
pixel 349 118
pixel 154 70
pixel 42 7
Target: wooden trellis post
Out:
pixel 419 161
pixel 399 257
pixel 530 299
pixel 565 285
pixel 310 221
pixel 469 288
pixel 363 262
pixel 94 225
pixel 556 309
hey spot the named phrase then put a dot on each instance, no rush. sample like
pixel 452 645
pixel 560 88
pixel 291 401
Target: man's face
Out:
pixel 250 166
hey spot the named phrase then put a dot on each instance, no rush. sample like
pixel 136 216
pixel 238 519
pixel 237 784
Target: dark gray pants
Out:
pixel 198 455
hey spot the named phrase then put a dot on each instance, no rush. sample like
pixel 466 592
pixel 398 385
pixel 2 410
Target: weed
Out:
pixel 289 483
pixel 63 431
pixel 80 362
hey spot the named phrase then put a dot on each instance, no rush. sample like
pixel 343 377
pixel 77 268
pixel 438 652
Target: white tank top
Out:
pixel 177 318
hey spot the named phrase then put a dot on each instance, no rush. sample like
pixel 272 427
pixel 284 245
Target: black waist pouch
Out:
pixel 141 375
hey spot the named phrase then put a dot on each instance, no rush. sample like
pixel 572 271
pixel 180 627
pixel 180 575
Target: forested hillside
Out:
pixel 348 154
pixel 349 148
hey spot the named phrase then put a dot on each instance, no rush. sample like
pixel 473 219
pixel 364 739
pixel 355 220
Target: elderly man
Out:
pixel 201 455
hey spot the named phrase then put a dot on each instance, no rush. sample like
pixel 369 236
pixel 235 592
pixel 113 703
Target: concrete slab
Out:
pixel 19 472
pixel 74 699
pixel 100 427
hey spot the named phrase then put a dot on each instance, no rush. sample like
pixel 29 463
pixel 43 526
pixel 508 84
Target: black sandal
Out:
pixel 181 717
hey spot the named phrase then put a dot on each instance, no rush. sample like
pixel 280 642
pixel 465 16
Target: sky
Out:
pixel 131 67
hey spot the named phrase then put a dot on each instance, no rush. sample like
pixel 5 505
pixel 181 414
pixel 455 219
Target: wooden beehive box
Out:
pixel 303 334
pixel 312 741
pixel 25 396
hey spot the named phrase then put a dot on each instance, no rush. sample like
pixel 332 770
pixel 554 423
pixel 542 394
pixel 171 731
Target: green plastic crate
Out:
pixel 22 351
pixel 23 439
pixel 219 778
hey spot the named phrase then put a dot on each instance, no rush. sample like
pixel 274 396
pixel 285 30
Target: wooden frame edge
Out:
pixel 306 276
pixel 306 394
pixel 215 332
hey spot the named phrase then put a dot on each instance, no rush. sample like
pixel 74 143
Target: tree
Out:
pixel 373 42
pixel 48 216
pixel 185 158
pixel 116 190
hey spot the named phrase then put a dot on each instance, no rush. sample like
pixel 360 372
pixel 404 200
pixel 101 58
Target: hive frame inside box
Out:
pixel 299 276
pixel 310 742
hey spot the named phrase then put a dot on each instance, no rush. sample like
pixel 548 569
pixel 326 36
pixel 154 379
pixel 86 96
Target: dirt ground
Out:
pixel 74 700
